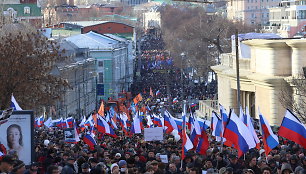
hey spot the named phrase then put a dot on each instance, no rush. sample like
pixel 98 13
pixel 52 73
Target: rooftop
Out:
pixel 93 41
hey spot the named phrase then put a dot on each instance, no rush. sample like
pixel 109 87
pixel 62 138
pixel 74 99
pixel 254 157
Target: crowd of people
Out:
pixel 134 155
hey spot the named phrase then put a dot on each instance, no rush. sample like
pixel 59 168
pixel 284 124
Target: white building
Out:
pixel 263 75
pixel 255 12
pixel 288 19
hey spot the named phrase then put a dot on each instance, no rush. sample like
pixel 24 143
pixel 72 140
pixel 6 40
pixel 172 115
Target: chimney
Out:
pixel 71 2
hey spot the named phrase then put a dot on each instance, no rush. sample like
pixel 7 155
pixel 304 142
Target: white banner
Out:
pixel 153 134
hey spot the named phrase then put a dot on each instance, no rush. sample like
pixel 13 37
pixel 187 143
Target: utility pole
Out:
pixel 237 68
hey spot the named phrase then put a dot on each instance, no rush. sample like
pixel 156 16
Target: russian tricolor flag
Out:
pixel 270 140
pixel 238 133
pixel 216 125
pixel 90 122
pixel 39 122
pixel 169 123
pixel 89 139
pixel 175 100
pixel 248 122
pixel 187 144
pixel 195 130
pixel 104 127
pixel 203 141
pixel 204 124
pixel 70 122
pixel 58 122
pixel 292 129
pixel 157 121
pixel 14 104
pixel 157 93
pixel 123 123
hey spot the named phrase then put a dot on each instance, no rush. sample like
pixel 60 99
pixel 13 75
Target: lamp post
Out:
pixel 182 81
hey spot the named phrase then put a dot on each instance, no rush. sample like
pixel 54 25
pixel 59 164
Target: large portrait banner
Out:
pixel 17 135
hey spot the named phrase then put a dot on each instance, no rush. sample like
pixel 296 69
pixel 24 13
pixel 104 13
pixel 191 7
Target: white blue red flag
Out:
pixel 14 104
pixel 293 129
pixel 104 127
pixel 90 141
pixel 270 140
pixel 238 133
pixel 186 144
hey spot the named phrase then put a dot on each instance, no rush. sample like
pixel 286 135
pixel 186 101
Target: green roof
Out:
pixel 34 9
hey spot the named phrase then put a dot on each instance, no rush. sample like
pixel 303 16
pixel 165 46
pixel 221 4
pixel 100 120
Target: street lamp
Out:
pixel 182 81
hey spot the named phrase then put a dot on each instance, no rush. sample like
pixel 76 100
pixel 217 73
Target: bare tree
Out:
pixel 201 36
pixel 293 96
pixel 27 59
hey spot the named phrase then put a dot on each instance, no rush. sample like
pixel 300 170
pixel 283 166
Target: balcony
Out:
pixel 229 60
pixel 206 107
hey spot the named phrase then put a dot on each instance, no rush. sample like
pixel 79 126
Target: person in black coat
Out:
pixel 237 168
pixel 69 167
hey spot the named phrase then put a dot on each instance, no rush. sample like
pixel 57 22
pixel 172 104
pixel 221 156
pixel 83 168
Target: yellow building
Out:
pixel 263 75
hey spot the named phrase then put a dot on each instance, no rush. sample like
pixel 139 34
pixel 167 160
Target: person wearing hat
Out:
pixel 69 167
pixel 85 168
pixel 122 166
pixel 118 156
pixel 237 168
pixel 286 168
pixel 33 168
pixel 115 169
pixel 6 164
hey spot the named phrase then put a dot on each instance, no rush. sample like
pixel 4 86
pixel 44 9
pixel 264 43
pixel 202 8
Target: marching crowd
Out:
pixel 134 155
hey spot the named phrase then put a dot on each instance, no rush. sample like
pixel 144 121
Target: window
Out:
pixel 100 63
pixel 27 10
pixel 100 77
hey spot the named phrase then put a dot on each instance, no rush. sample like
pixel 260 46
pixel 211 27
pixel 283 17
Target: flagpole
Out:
pixel 183 129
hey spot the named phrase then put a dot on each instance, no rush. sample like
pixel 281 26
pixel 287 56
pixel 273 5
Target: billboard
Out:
pixel 17 135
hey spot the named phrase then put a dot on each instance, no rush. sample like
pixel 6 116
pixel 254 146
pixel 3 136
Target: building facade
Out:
pixel 114 57
pixel 263 76
pixel 253 12
pixel 22 11
pixel 288 19
pixel 79 97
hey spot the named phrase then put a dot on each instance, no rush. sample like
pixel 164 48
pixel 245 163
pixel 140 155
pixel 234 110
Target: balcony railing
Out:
pixel 206 107
pixel 229 60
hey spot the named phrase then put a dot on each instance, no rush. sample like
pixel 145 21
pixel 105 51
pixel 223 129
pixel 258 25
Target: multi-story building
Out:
pixel 64 10
pixel 288 19
pixel 114 58
pixel 254 12
pixel 79 97
pixel 263 76
pixel 21 11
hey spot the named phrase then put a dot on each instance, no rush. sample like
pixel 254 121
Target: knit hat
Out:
pixel 113 165
pixel 118 155
pixel 286 166
pixel 122 163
